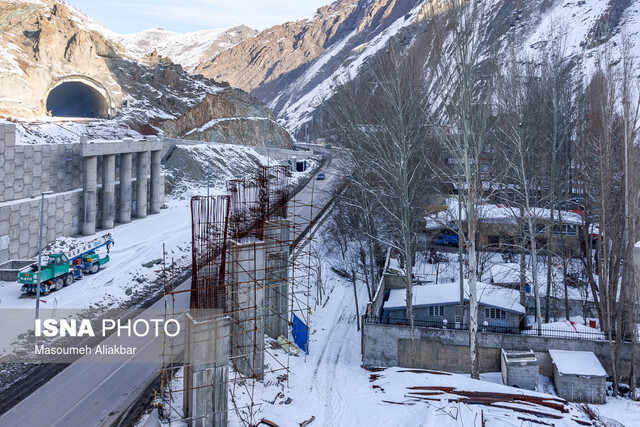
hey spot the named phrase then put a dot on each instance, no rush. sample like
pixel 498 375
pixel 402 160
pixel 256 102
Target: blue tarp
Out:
pixel 300 333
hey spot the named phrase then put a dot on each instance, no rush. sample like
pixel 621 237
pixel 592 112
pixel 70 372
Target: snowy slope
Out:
pixel 304 98
pixel 186 49
pixel 574 26
pixel 357 32
pixel 51 131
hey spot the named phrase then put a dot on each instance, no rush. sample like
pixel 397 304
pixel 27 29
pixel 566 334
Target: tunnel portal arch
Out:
pixel 78 96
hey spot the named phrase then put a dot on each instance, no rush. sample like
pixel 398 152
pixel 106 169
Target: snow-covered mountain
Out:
pixel 186 49
pixel 46 44
pixel 295 66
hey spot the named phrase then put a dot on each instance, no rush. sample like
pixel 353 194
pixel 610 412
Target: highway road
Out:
pixel 98 394
pixel 321 192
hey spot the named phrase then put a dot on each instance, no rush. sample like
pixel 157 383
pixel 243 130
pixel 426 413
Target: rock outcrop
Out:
pixel 46 44
pixel 288 62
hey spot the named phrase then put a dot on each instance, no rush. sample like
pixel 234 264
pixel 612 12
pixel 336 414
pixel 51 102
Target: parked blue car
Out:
pixel 445 239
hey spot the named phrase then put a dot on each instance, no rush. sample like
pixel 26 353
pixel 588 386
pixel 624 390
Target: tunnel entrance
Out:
pixel 76 99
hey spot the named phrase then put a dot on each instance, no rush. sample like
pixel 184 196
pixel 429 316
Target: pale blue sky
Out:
pixel 129 16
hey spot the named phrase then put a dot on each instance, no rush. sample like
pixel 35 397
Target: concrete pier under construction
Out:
pixel 206 368
pixel 246 274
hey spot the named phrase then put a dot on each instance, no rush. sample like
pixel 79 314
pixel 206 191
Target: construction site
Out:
pixel 251 282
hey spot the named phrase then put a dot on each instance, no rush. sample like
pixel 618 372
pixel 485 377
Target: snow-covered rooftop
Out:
pixel 577 363
pixel 502 214
pixel 449 293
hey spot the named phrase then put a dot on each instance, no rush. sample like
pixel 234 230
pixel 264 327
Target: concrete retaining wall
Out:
pixel 26 171
pixel 20 223
pixel 448 350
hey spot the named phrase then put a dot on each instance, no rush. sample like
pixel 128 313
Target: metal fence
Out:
pixel 594 335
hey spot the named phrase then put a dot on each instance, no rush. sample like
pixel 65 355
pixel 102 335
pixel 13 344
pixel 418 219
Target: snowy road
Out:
pixel 135 243
pixel 98 394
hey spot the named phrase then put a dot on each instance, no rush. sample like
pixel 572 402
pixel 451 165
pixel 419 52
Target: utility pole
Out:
pixel 40 253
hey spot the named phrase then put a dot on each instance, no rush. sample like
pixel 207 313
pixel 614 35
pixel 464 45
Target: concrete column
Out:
pixel 156 182
pixel 125 188
pixel 89 184
pixel 206 372
pixel 142 173
pixel 108 190
pixel 246 303
pixel 277 278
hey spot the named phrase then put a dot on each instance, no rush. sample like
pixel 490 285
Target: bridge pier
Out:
pixel 125 188
pixel 89 184
pixel 206 372
pixel 106 152
pixel 108 191
pixel 246 267
pixel 277 278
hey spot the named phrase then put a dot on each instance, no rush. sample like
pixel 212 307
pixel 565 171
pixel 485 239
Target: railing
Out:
pixel 501 329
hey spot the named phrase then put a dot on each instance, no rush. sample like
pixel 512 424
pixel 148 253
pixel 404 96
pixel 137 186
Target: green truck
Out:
pixel 62 269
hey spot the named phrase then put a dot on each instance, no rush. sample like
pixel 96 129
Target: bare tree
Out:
pixel 465 75
pixel 608 164
pixel 557 122
pixel 382 120
pixel 630 111
pixel 519 155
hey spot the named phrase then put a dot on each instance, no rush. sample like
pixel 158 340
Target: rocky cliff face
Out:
pixel 40 43
pixel 46 44
pixel 288 64
pixel 231 115
pixel 282 49
pixel 296 66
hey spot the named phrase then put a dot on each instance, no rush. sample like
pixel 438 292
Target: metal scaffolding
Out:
pixel 251 264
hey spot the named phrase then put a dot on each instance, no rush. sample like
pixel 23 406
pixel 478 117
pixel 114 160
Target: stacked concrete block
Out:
pixel 20 223
pixel 519 369
pixel 206 375
pixel 246 275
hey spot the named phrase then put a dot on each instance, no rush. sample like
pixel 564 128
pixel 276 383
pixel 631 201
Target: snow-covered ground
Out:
pixel 329 386
pixel 135 243
pixel 50 130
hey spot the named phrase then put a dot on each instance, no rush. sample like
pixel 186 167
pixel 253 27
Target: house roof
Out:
pixel 449 293
pixel 577 363
pixel 499 214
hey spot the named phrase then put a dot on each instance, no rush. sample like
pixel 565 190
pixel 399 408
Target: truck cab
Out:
pixel 56 273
